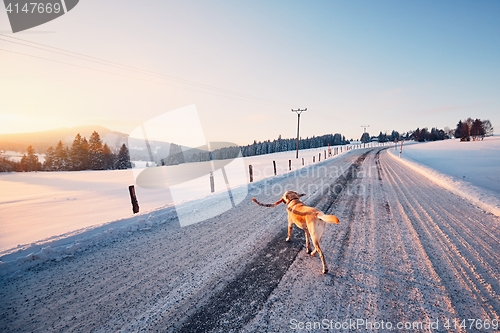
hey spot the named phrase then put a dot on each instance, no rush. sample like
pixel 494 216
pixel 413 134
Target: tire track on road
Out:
pixel 240 300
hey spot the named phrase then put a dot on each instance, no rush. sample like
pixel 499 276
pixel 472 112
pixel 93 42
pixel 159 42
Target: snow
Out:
pixel 38 205
pixel 405 250
pixel 468 169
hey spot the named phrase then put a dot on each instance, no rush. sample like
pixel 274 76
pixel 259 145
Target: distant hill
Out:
pixel 41 141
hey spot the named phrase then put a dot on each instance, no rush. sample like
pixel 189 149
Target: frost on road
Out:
pixel 405 250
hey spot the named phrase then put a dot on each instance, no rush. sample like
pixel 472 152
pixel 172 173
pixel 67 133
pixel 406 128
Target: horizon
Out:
pixel 96 128
pixel 391 65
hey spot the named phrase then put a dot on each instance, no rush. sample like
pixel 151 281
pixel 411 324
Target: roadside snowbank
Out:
pixel 442 161
pixel 67 245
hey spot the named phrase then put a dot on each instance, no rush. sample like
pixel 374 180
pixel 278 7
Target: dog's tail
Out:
pixel 268 205
pixel 328 218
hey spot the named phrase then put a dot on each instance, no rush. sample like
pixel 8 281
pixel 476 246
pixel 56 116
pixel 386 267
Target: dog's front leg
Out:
pixel 308 245
pixel 290 228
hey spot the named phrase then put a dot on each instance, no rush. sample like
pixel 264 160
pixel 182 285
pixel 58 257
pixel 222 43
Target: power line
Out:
pixel 133 77
pixel 105 62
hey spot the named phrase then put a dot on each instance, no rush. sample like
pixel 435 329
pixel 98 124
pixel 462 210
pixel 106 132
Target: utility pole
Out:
pixel 298 111
pixel 364 126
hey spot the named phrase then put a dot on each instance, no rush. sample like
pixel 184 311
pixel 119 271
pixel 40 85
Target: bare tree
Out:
pixel 487 128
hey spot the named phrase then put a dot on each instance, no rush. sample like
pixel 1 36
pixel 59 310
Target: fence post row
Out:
pixel 250 168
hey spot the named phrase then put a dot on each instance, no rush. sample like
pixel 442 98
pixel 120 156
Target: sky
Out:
pixel 244 65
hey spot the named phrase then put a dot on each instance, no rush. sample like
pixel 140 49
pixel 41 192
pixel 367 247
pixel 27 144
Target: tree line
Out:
pixel 281 145
pixel 382 137
pixel 177 155
pixel 83 154
pixel 435 134
pixel 473 129
pixel 466 130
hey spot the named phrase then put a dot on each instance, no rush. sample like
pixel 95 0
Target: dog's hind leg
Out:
pixel 308 246
pixel 321 256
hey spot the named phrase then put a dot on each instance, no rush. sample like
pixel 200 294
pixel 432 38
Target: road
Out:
pixel 406 251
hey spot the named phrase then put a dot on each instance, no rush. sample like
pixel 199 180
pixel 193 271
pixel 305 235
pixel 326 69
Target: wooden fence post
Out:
pixel 290 165
pixel 274 165
pixel 212 182
pixel 251 173
pixel 133 198
pixel 302 161
pixel 314 157
pixel 319 157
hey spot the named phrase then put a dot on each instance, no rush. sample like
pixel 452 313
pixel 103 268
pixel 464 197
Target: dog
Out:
pixel 309 219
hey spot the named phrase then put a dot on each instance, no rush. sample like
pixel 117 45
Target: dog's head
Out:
pixel 290 196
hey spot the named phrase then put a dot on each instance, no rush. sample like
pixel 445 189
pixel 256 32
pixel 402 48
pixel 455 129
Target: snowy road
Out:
pixel 405 251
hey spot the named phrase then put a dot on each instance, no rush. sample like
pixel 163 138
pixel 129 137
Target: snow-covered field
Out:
pixel 40 205
pixel 469 169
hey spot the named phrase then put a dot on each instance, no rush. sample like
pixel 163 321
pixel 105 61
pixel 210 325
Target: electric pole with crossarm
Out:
pixel 364 132
pixel 298 111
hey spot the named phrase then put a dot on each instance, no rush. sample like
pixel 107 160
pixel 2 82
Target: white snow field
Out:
pixel 469 169
pixel 407 253
pixel 40 205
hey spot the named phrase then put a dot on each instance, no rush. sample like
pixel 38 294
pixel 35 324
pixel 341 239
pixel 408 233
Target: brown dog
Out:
pixel 309 219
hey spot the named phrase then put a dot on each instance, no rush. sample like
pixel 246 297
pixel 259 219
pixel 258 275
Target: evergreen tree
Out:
pixel 48 164
pixel 7 165
pixel 95 152
pixel 175 155
pixel 30 161
pixel 465 131
pixel 109 158
pixel 78 154
pixel 458 130
pixel 61 158
pixel 477 130
pixel 123 160
pixel 365 138
pixel 423 134
pixel 85 154
pixel 395 135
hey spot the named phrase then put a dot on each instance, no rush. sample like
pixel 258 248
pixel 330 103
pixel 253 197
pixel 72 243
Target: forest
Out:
pixel 83 154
